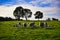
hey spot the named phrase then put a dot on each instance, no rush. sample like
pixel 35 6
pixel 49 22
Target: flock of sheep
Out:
pixel 32 24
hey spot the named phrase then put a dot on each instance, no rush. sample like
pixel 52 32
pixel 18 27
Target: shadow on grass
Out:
pixel 7 38
pixel 50 28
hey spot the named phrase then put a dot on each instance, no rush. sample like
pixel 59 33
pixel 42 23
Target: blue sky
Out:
pixel 28 0
pixel 41 3
pixel 48 7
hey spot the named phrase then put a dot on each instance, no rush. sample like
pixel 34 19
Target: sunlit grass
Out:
pixel 8 32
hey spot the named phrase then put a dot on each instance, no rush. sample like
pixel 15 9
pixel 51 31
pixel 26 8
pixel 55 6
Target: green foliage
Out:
pixel 21 12
pixel 8 32
pixel 38 15
pixel 27 13
pixel 18 12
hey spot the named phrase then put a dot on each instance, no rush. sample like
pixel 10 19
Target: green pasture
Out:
pixel 8 32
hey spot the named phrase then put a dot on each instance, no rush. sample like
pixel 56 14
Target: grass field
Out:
pixel 8 32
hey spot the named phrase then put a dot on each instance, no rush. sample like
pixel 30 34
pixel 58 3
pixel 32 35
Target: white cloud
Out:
pixel 53 3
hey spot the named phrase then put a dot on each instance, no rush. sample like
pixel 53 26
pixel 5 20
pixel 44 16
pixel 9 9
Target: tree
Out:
pixel 38 15
pixel 18 12
pixel 48 19
pixel 27 13
pixel 55 19
pixel 1 18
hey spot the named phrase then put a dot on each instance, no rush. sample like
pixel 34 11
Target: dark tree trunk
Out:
pixel 38 19
pixel 18 18
pixel 26 17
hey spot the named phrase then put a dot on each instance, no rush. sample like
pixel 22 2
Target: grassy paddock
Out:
pixel 8 32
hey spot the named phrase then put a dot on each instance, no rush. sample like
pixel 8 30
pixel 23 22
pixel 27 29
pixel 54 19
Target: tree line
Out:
pixel 8 19
pixel 11 19
pixel 5 18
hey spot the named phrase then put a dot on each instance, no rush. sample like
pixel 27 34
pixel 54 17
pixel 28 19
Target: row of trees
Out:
pixel 8 19
pixel 52 19
pixel 5 18
pixel 26 13
pixel 11 19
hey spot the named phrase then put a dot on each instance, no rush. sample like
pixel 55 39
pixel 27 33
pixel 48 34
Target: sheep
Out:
pixel 32 25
